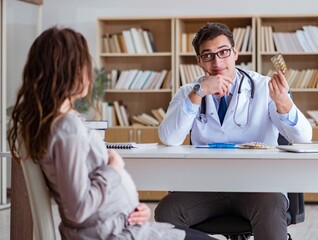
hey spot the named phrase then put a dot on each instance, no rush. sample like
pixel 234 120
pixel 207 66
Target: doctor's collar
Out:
pixel 240 77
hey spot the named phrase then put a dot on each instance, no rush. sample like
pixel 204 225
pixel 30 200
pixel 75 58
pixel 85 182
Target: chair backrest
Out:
pixel 296 208
pixel 40 202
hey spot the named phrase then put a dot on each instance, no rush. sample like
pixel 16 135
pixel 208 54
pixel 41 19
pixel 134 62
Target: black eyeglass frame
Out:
pixel 216 54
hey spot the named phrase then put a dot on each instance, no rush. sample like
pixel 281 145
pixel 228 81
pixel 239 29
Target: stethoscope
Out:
pixel 202 117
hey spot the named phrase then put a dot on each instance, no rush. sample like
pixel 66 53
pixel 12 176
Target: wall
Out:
pixel 82 15
pixel 21 31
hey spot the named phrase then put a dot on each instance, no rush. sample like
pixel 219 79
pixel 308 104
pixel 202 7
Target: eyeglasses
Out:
pixel 208 57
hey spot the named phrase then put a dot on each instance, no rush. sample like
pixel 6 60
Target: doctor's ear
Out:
pixel 235 53
pixel 198 59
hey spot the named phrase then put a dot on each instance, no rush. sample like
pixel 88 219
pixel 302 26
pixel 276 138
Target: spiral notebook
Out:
pixel 129 145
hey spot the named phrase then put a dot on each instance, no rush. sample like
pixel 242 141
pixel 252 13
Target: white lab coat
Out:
pixel 263 124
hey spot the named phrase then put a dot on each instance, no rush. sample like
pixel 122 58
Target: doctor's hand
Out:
pixel 218 84
pixel 278 91
pixel 141 214
pixel 115 160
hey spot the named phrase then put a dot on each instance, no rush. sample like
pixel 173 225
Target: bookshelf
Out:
pixel 173 38
pixel 155 38
pixel 139 134
pixel 187 26
pixel 173 48
pixel 296 59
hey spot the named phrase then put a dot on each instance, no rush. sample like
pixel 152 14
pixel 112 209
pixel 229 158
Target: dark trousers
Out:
pixel 267 212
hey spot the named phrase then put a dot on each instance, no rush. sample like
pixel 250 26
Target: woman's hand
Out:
pixel 115 160
pixel 141 214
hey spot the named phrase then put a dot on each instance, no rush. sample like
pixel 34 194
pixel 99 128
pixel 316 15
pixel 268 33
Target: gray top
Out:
pixel 94 200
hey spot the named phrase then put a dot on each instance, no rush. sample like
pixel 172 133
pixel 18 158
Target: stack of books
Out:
pixel 132 41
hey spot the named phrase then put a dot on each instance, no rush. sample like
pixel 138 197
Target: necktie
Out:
pixel 222 109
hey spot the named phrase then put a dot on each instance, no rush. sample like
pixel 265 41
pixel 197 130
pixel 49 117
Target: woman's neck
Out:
pixel 66 106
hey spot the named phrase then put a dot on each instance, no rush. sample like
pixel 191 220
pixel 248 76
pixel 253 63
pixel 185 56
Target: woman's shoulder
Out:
pixel 70 123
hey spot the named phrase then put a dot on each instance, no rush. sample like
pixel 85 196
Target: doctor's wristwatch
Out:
pixel 198 90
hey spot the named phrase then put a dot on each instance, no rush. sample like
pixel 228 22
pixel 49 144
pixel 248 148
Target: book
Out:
pixel 167 81
pixel 139 120
pixel 241 33
pixel 124 114
pixel 113 116
pixel 105 112
pixel 122 44
pixel 159 81
pixel 129 42
pixel 114 76
pixel 106 43
pixel 136 79
pixel 121 80
pixel 130 78
pixel 250 42
pixel 116 43
pixel 95 124
pixel 157 115
pixel 146 119
pixel 152 41
pixel 183 42
pixel 149 119
pixel 162 112
pixel 129 145
pixel 138 41
pixel 246 38
pixel 147 41
pixel 118 113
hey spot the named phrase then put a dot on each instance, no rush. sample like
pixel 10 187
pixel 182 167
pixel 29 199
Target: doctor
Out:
pixel 230 105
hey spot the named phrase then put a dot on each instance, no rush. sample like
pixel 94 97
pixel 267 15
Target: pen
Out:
pixel 218 145
pixel 222 145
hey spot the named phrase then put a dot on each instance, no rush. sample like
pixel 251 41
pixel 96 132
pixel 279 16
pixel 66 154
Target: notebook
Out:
pixel 300 148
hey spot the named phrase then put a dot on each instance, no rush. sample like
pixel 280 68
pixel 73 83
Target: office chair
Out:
pixel 239 228
pixel 40 202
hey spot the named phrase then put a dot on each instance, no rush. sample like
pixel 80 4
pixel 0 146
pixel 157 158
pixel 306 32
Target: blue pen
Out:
pixel 222 145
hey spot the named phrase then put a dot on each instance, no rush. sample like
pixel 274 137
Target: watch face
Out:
pixel 196 87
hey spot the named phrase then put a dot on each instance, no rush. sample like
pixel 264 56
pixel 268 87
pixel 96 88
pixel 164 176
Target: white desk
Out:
pixel 186 168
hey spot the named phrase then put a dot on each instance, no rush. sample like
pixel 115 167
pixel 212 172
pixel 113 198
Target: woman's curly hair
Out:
pixel 52 74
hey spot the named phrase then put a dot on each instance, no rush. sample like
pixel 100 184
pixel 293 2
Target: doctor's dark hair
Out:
pixel 53 72
pixel 210 31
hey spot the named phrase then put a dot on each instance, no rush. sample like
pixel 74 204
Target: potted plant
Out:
pixel 92 108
